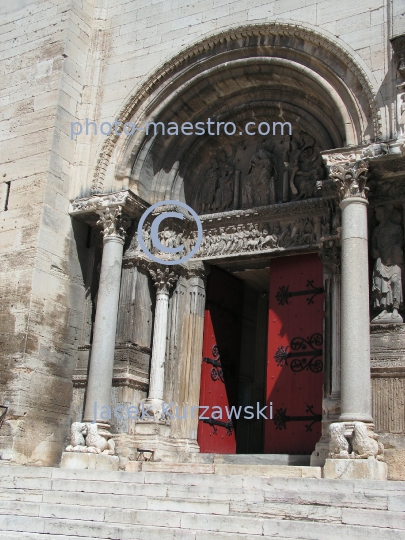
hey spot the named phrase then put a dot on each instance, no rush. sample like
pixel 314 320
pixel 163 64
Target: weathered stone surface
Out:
pixel 365 469
pixel 74 460
pixel 395 460
pixel 170 508
pixel 71 61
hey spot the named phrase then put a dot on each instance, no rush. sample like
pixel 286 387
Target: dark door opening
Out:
pixel 234 360
pixel 249 362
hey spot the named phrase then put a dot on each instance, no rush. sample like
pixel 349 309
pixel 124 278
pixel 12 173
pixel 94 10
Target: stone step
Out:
pixel 196 528
pixel 147 505
pixel 252 459
pixel 250 500
pixel 239 469
pixel 129 483
pixel 9 474
pixel 174 513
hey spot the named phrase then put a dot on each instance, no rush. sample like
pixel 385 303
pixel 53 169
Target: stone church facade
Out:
pixel 293 299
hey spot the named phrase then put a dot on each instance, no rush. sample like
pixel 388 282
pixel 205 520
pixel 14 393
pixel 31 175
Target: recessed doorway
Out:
pixel 263 347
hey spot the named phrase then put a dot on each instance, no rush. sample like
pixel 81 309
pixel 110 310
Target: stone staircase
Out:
pixel 66 504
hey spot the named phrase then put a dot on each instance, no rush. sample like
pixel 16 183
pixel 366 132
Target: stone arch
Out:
pixel 276 70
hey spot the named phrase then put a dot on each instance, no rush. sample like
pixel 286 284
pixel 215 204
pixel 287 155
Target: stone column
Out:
pixel 102 350
pixel 350 179
pixel 164 279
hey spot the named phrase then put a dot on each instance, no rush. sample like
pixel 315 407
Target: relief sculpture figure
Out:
pixel 259 184
pixel 224 193
pixel 209 188
pixel 387 248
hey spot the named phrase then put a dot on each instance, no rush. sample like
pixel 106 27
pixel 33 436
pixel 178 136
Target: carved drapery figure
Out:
pixel 259 184
pixel 401 111
pixel 387 248
pixel 224 193
pixel 209 188
pixel 275 172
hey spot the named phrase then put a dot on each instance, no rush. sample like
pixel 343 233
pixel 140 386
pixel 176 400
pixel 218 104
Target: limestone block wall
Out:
pixel 44 45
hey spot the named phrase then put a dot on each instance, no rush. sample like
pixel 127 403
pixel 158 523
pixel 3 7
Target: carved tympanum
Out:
pixel 273 172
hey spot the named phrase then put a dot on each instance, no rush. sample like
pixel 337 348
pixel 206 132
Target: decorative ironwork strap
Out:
pixel 302 348
pixel 212 422
pixel 216 371
pixel 284 294
pixel 280 418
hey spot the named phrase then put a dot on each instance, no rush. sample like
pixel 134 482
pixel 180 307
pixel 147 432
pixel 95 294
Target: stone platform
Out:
pixel 63 504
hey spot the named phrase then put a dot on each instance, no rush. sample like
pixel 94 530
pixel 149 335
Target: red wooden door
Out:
pixel 220 362
pixel 294 355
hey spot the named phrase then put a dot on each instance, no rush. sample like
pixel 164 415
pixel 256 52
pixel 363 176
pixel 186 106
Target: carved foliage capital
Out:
pixel 350 179
pixel 163 278
pixel 113 222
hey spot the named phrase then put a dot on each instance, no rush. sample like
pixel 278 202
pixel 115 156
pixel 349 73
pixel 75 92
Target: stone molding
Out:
pixel 88 208
pixel 279 29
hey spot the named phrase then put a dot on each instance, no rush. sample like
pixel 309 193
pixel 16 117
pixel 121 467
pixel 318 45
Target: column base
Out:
pixel 84 460
pixel 362 469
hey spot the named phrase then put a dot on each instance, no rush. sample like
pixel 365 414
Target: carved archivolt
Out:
pixel 284 35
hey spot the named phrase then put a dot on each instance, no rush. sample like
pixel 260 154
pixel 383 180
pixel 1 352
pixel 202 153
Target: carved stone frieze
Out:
pixel 267 229
pixel 387 189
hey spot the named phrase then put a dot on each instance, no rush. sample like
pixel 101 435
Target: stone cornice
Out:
pixel 88 208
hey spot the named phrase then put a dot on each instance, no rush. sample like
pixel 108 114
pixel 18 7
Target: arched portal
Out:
pixel 277 97
pixel 277 73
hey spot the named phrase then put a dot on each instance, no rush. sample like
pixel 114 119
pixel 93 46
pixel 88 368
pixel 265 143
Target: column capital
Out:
pixel 114 223
pixel 350 179
pixel 163 278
